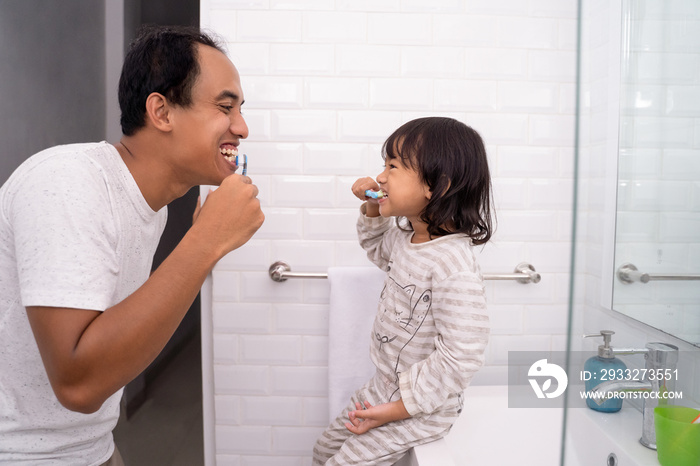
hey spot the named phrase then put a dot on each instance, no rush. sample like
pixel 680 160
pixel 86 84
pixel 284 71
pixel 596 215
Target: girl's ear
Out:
pixel 158 112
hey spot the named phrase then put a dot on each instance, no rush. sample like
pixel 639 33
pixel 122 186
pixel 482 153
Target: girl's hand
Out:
pixel 363 420
pixel 362 185
pixel 359 188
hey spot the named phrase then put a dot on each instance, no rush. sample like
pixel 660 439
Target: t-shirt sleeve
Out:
pixel 65 235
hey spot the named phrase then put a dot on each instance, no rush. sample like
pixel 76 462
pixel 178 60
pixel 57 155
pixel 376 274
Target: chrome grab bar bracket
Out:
pixel 277 271
pixel 628 273
pixel 524 268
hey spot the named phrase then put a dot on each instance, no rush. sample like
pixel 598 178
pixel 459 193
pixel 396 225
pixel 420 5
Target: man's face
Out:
pixel 210 129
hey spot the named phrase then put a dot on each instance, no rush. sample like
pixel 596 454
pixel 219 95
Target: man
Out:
pixel 79 315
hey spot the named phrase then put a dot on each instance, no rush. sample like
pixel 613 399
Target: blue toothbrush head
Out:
pixel 374 194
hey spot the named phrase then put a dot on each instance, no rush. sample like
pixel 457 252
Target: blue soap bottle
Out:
pixel 601 368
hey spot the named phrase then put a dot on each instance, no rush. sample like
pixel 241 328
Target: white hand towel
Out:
pixel 354 298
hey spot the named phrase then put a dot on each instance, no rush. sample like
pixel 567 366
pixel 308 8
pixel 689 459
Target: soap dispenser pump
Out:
pixel 601 368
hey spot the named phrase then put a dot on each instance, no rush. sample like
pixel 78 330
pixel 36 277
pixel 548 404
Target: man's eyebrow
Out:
pixel 228 95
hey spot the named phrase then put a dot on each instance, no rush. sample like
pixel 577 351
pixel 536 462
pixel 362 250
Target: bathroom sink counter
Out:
pixel 606 433
pixel 489 432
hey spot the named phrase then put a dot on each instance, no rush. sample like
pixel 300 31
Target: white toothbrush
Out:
pixel 245 164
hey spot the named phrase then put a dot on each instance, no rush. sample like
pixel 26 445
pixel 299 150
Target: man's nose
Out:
pixel 239 127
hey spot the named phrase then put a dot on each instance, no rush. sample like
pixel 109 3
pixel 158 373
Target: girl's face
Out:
pixel 406 194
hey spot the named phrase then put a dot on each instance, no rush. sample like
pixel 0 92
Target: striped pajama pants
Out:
pixel 383 445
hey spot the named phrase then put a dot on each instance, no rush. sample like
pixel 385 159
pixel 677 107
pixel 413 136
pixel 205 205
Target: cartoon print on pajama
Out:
pixel 418 309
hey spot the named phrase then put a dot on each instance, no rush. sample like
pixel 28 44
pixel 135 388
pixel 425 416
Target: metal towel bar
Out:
pixel 628 273
pixel 524 273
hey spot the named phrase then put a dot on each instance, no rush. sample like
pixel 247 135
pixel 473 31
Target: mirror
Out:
pixel 657 225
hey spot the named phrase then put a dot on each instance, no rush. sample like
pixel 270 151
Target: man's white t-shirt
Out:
pixel 75 232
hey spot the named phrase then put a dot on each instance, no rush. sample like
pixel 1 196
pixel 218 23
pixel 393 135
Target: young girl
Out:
pixel 431 329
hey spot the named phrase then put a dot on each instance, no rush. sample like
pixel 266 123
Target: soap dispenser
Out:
pixel 601 368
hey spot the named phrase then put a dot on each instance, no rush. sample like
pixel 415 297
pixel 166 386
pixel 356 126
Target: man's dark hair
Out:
pixel 161 59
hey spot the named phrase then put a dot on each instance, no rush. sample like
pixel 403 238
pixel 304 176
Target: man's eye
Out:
pixel 226 108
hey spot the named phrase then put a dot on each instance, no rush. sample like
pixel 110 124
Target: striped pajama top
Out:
pixel 432 328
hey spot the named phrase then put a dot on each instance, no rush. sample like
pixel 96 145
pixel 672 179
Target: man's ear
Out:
pixel 158 111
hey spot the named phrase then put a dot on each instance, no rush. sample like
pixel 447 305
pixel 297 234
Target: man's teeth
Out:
pixel 229 154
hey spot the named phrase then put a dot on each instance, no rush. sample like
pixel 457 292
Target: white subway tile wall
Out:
pixel 325 83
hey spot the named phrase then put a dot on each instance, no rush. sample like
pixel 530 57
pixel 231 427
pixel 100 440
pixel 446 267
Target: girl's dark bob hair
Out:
pixel 450 159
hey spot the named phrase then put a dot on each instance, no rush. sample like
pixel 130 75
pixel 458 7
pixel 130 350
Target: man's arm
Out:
pixel 89 355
